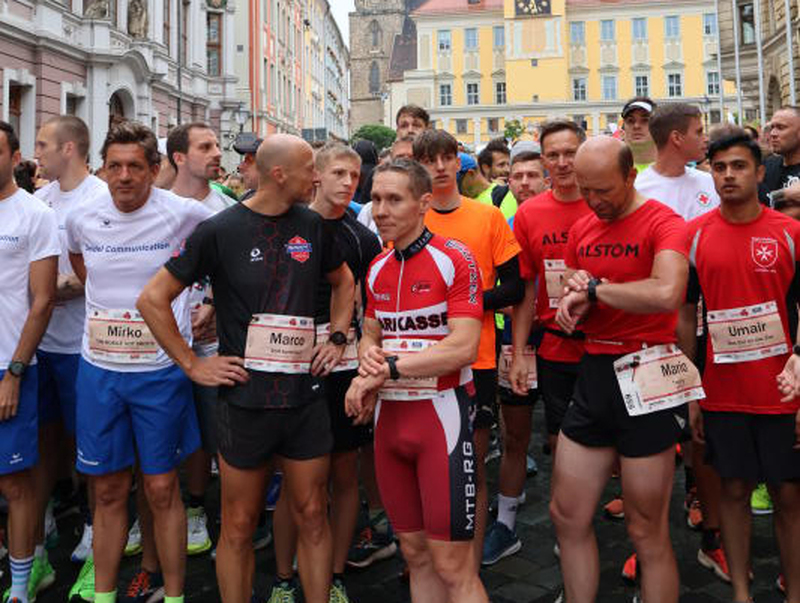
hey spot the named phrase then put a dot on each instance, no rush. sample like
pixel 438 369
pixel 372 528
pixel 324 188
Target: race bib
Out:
pixel 408 388
pixel 349 359
pixel 504 366
pixel 279 344
pixel 120 336
pixel 554 272
pixel 657 378
pixel 745 334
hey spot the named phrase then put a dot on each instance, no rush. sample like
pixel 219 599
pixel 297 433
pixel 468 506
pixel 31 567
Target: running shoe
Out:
pixel 83 589
pixel 84 548
pixel 42 577
pixel 630 568
pixel 274 490
pixel 283 591
pixel 499 542
pixel 614 509
pixel 197 539
pixel 144 587
pixel 760 502
pixel 637 597
pixel 134 544
pixel 780 583
pixel 50 528
pixel 531 468
pixel 371 546
pixel 560 597
pixel 338 593
pixel 716 561
pixel 694 514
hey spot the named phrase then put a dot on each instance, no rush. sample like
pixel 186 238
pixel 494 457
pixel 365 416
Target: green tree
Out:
pixel 382 136
pixel 513 130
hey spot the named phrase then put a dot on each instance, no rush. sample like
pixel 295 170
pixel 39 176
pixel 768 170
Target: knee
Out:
pixel 311 515
pixel 161 491
pixel 238 526
pixel 516 441
pixel 453 571
pixel 16 488
pixel 344 475
pixel 646 533
pixel 736 492
pixel 416 554
pixel 566 517
pixel 111 492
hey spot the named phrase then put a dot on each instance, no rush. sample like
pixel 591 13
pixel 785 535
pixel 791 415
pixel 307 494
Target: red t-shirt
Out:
pixel 735 266
pixel 623 251
pixel 413 294
pixel 541 226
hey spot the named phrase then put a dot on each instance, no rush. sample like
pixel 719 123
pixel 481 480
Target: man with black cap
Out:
pixel 636 127
pixel 246 144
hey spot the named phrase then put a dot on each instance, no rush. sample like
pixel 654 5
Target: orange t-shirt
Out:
pixel 484 230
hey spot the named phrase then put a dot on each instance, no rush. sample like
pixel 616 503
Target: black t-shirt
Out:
pixel 777 176
pixel 260 264
pixel 359 246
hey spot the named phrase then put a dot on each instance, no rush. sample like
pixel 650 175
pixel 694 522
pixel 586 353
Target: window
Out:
pixel 472 94
pixel 639 28
pixel 579 89
pixel 273 85
pixel 166 33
pixel 607 32
pixel 580 120
pixel 499 36
pixel 609 87
pixel 748 24
pixel 577 33
pixel 674 86
pixel 15 106
pixel 471 39
pixel 376 35
pixel 461 126
pixel 185 33
pixel 444 40
pixel 641 85
pixel 214 44
pixel 493 124
pixel 712 83
pixel 445 95
pixel 710 24
pixel 500 93
pixel 672 27
pixel 374 78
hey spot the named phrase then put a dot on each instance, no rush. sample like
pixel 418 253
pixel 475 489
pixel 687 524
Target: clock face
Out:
pixel 532 7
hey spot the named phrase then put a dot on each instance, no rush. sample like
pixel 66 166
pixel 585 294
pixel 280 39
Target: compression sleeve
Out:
pixel 509 291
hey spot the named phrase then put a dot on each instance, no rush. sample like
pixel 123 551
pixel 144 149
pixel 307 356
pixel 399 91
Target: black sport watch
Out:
pixel 394 374
pixel 591 289
pixel 17 368
pixel 338 338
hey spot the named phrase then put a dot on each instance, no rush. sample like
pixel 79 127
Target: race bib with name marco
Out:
pixel 279 344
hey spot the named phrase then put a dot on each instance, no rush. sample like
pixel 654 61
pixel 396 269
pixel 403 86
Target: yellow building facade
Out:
pixel 481 63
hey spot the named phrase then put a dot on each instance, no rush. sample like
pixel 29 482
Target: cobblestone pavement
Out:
pixel 530 576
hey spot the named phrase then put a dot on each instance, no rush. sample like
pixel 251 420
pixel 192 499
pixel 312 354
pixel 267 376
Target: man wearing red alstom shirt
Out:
pixel 627 271
pixel 744 260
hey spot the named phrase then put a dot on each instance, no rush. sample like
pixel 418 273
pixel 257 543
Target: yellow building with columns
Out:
pixel 481 63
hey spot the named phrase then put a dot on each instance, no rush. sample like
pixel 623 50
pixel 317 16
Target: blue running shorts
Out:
pixel 19 436
pixel 57 376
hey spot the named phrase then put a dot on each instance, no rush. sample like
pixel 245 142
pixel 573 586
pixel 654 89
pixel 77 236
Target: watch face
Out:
pixel 532 7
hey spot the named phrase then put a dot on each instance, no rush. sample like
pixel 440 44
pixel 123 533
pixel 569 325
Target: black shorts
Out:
pixel 509 398
pixel 346 436
pixel 556 384
pixel 597 416
pixel 755 448
pixel 485 397
pixel 248 438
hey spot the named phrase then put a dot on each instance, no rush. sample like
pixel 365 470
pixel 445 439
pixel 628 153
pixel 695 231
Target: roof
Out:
pixel 404 52
pixel 437 7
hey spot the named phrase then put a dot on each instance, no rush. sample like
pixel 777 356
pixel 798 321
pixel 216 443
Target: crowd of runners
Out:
pixel 358 325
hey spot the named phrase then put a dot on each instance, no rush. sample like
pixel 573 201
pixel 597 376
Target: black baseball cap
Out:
pixel 638 103
pixel 246 143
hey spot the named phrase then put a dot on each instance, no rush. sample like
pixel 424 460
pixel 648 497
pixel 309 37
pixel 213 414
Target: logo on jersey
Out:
pixel 764 251
pixel 298 249
pixel 255 255
pixel 105 222
pixel 421 287
pixel 703 199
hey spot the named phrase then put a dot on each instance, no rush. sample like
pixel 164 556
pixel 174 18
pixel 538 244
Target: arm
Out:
pixel 326 355
pixel 687 342
pixel 155 304
pixel 522 323
pixel 78 266
pixel 68 286
pixel 42 284
pixel 509 291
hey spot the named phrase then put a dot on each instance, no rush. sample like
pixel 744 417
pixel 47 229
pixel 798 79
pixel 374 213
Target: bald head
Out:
pixel 605 173
pixel 285 166
pixel 280 150
pixel 611 153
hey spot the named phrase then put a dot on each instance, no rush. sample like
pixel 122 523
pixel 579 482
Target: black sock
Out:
pixel 710 540
pixel 689 473
pixel 196 502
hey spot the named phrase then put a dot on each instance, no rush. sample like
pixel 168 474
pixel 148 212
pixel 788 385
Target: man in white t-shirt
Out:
pixel 677 130
pixel 62 148
pixel 133 402
pixel 29 248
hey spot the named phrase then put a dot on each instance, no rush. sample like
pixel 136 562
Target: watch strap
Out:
pixel 394 374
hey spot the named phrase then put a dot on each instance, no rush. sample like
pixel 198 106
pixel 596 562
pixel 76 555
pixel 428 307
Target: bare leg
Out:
pixel 708 487
pixel 198 473
pixel 426 585
pixel 461 581
pixel 786 497
pixel 736 528
pixel 110 526
pixel 169 525
pixel 368 480
pixel 22 512
pixel 344 505
pixel 149 549
pixel 517 421
pixel 43 474
pixel 285 532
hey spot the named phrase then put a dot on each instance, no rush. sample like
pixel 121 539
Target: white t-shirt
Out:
pixel 216 201
pixel 365 217
pixel 689 195
pixel 65 331
pixel 122 251
pixel 28 233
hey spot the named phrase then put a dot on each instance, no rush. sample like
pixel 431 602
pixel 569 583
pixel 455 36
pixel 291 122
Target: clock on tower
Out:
pixel 529 8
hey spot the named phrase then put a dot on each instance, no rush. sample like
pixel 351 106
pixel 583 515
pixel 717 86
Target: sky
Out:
pixel 340 10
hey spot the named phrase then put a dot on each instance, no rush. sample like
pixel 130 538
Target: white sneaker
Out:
pixel 50 527
pixel 84 548
pixel 134 544
pixel 197 538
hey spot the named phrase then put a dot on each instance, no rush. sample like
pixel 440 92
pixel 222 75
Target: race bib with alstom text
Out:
pixel 120 336
pixel 748 333
pixel 657 378
pixel 279 344
pixel 408 388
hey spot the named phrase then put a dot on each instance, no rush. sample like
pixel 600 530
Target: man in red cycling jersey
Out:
pixel 421 333
pixel 626 277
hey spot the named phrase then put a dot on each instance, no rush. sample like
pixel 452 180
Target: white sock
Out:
pixel 507 510
pixel 39 551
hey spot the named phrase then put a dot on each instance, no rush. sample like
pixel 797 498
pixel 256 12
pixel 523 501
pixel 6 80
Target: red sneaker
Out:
pixel 630 568
pixel 694 514
pixel 716 561
pixel 614 509
pixel 780 583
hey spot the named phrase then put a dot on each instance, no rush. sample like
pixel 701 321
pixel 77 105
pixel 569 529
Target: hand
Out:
pixel 218 370
pixel 361 397
pixel 204 325
pixel 696 422
pixel 792 192
pixel 372 362
pixel 9 396
pixel 571 309
pixel 324 358
pixel 579 281
pixel 518 375
pixel 789 379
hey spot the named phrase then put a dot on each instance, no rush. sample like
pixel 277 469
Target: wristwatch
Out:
pixel 591 289
pixel 394 374
pixel 796 350
pixel 208 301
pixel 17 368
pixel 338 338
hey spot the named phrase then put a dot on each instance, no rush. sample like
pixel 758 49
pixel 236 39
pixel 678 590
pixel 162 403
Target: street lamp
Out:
pixel 706 106
pixel 241 115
